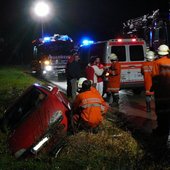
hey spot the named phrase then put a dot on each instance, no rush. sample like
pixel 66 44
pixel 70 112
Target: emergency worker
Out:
pixel 113 84
pixel 87 107
pixel 104 106
pixel 146 70
pixel 161 87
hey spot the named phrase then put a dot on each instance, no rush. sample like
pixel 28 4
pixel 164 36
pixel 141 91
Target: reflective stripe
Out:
pixel 148 71
pixel 91 105
pixel 164 69
pixel 91 100
pixel 117 89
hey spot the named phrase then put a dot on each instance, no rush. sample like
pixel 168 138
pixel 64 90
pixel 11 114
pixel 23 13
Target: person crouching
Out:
pixel 87 109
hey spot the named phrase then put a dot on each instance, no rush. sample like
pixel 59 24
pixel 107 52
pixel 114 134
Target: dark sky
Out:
pixel 99 19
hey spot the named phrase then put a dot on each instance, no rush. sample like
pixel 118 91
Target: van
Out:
pixel 131 54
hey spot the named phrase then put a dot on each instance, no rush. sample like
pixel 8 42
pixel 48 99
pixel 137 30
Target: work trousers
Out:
pixel 73 88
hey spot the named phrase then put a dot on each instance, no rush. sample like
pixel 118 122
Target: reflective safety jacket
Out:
pixel 162 67
pixel 114 71
pixel 104 106
pixel 89 106
pixel 146 70
pixel 161 83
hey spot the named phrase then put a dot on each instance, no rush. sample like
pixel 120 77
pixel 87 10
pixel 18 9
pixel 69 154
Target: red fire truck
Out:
pixel 50 55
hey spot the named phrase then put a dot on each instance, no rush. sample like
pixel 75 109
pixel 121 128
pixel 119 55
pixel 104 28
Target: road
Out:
pixel 131 106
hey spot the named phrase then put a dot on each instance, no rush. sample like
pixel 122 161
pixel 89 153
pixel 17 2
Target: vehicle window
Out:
pixel 98 50
pixel 136 53
pixel 84 55
pixel 120 52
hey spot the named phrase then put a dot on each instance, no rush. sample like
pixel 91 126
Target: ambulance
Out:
pixel 131 54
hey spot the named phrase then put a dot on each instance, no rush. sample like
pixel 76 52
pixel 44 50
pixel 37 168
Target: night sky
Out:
pixel 98 19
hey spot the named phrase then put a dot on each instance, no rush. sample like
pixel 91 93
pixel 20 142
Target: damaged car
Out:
pixel 37 122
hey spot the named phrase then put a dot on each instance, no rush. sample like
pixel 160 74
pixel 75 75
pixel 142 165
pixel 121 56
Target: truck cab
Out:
pixel 50 55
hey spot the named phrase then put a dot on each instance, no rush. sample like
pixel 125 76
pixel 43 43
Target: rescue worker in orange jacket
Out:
pixel 161 87
pixel 146 70
pixel 113 84
pixel 104 106
pixel 88 108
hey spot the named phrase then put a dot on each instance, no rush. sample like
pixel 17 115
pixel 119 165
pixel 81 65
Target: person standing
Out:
pixel 99 85
pixel 113 84
pixel 146 70
pixel 161 87
pixel 89 70
pixel 68 77
pixel 93 72
pixel 73 72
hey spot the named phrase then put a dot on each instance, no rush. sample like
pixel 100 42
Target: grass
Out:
pixel 13 81
pixel 113 147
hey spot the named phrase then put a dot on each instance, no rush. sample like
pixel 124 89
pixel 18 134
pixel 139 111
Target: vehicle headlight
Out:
pixel 48 68
pixel 46 62
pixel 56 117
pixel 39 145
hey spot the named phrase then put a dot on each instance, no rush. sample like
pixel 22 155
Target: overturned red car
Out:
pixel 37 121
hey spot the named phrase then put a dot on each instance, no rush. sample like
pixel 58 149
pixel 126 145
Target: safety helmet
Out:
pixel 113 56
pixel 163 49
pixel 150 56
pixel 80 82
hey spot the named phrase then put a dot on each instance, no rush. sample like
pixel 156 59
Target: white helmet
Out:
pixel 113 56
pixel 80 82
pixel 163 49
pixel 150 56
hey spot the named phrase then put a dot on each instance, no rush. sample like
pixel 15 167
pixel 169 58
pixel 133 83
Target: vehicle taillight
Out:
pixel 119 40
pixel 134 39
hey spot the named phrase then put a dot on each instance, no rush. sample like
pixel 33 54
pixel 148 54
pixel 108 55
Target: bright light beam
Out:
pixel 41 9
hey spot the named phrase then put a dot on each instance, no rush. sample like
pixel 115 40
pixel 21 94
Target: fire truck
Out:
pixel 50 55
pixel 131 53
pixel 154 28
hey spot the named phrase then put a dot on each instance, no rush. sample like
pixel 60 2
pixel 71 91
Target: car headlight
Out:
pixel 39 145
pixel 48 68
pixel 46 62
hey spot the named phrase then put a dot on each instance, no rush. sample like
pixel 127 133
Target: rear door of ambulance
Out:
pixel 130 53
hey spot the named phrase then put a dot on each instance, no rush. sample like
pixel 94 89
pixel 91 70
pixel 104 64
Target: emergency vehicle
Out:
pixel 50 54
pixel 154 28
pixel 130 52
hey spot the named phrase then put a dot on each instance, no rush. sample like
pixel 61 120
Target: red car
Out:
pixel 37 121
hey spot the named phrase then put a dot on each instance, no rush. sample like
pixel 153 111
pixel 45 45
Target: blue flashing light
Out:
pixel 46 39
pixel 62 37
pixel 87 42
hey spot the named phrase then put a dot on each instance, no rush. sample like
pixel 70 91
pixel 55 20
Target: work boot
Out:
pixel 115 98
pixel 148 103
